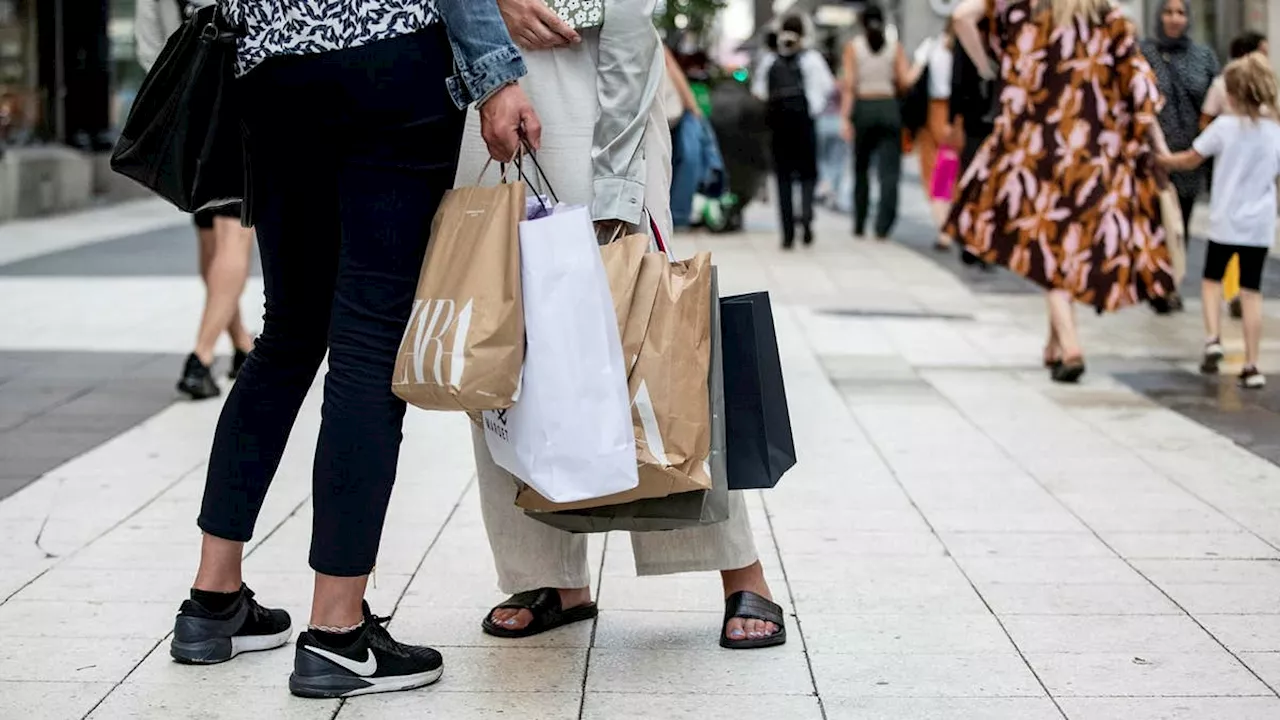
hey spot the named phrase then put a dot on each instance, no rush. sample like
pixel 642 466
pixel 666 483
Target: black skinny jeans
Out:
pixel 350 154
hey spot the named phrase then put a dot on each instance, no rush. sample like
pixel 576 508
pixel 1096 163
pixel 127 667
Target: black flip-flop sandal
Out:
pixel 750 606
pixel 544 605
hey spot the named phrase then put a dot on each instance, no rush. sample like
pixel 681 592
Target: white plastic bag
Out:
pixel 569 435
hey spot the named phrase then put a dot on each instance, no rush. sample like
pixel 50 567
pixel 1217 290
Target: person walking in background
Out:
pixel 1062 191
pixel 1245 144
pixel 225 247
pixel 1216 104
pixel 875 72
pixel 1184 70
pixel 933 63
pixel 583 93
pixel 833 151
pixel 689 133
pixel 343 194
pixel 973 106
pixel 795 83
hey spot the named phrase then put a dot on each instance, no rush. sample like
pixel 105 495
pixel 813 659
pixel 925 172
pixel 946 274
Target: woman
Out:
pixel 875 73
pixel 1184 70
pixel 343 194
pixel 225 246
pixel 1063 192
pixel 794 84
pixel 544 569
pixel 935 57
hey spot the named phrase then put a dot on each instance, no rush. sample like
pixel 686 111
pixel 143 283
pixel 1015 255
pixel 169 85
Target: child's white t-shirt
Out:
pixel 1242 206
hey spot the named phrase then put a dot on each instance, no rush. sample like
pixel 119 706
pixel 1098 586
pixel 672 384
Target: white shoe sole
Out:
pixel 257 643
pixel 396 684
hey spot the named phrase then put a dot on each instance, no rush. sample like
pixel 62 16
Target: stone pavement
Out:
pixel 961 539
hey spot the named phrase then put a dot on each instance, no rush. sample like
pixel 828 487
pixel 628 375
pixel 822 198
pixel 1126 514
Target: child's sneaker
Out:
pixel 1252 379
pixel 1213 354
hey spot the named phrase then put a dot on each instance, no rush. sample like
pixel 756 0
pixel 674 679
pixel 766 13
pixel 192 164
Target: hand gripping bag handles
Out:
pixel 465 340
pixel 568 435
pixel 183 138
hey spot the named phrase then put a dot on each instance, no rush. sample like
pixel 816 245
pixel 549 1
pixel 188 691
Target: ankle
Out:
pixel 204 356
pixel 572 597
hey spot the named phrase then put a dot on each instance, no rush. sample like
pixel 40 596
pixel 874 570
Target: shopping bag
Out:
pixel 634 275
pixel 1174 231
pixel 464 343
pixel 760 446
pixel 569 435
pixel 945 172
pixel 680 510
pixel 669 394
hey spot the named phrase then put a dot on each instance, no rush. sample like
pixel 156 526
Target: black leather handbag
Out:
pixel 183 137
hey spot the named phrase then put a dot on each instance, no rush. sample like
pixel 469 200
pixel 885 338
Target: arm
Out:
pixel 1181 162
pixel 676 73
pixel 149 36
pixel 483 53
pixel 819 83
pixel 905 74
pixel 535 26
pixel 628 42
pixel 760 78
pixel 966 18
pixel 848 90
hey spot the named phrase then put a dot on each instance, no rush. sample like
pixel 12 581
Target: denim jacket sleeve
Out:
pixel 483 53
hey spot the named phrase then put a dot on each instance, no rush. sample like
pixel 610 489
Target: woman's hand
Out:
pixel 505 118
pixel 846 130
pixel 534 26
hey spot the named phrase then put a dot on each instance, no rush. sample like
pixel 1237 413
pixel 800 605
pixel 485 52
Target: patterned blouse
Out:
pixel 299 27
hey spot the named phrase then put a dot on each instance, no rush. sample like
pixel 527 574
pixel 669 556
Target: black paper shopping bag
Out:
pixel 758 443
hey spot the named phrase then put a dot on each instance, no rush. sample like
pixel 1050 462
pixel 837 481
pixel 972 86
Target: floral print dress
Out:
pixel 1062 192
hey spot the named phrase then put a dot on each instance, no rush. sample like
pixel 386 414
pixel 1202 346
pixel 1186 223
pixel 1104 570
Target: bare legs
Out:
pixel 1062 325
pixel 1251 305
pixel 224 265
pixel 1211 306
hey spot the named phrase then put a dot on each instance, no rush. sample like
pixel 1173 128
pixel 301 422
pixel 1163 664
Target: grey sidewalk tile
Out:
pixel 772 671
pixel 1108 634
pixel 1266 665
pixel 1191 546
pixel 93 585
pixel 267 669
pixel 1077 599
pixel 1044 545
pixel 815 568
pixel 835 544
pixel 886 598
pixel 1145 674
pixel 1060 571
pixel 512 670
pixel 1222 572
pixel 1245 633
pixel 437 703
pixel 845 634
pixel 949 521
pixel 71 660
pixel 1219 598
pixel 1157 708
pixel 637 706
pixel 866 675
pixel 210 702
pixel 50 700
pixel 686 631
pixel 73 618
pixel 927 708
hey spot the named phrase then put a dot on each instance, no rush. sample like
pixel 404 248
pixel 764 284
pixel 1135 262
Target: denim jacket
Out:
pixel 485 57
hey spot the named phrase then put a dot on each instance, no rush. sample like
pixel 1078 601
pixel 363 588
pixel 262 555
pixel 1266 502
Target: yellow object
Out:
pixel 1231 280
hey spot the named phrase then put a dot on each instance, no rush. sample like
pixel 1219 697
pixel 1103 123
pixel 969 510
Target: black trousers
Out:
pixel 794 142
pixel 878 134
pixel 350 154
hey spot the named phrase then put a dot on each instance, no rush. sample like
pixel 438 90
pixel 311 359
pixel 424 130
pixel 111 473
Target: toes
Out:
pixel 755 629
pixel 770 629
pixel 512 619
pixel 734 629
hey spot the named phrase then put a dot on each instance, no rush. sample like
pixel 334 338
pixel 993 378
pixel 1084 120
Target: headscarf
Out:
pixel 1163 41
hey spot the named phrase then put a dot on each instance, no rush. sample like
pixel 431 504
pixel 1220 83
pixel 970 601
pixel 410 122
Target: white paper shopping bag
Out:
pixel 569 435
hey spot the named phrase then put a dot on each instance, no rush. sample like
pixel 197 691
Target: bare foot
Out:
pixel 751 579
pixel 520 619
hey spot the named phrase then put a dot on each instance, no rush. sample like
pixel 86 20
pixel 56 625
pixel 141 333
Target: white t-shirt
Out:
pixel 1242 205
pixel 935 54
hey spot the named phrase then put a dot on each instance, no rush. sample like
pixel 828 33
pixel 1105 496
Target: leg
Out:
pixel 926 145
pixel 728 547
pixel 786 201
pixel 388 192
pixel 227 272
pixel 862 148
pixel 889 160
pixel 806 208
pixel 1217 256
pixel 528 554
pixel 1252 263
pixel 1062 318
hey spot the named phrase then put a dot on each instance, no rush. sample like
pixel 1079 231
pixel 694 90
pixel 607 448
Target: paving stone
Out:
pixel 1187 708
pixel 1047 546
pixel 1191 546
pixel 866 675
pixel 1077 599
pixel 635 706
pixel 903 634
pixel 436 702
pixel 210 702
pixel 1245 633
pixel 52 700
pixel 1159 674
pixel 1107 634
pixel 929 708
pixel 700 672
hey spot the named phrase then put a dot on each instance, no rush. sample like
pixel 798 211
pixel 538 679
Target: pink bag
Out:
pixel 945 173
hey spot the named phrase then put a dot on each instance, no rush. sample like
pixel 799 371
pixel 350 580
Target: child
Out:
pixel 1242 217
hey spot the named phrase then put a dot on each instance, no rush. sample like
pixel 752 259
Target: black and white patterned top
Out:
pixel 300 27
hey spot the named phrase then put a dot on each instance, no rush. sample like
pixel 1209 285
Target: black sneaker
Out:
pixel 374 663
pixel 1251 379
pixel 1212 358
pixel 237 364
pixel 197 380
pixel 808 234
pixel 204 638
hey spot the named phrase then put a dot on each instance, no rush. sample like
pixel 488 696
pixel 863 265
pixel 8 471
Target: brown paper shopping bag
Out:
pixel 670 406
pixel 634 274
pixel 463 346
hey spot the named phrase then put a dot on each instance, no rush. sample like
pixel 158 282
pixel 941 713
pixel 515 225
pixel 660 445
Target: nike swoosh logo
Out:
pixel 365 668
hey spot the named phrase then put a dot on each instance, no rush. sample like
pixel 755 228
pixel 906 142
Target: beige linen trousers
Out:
pixel 528 554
